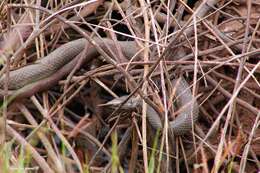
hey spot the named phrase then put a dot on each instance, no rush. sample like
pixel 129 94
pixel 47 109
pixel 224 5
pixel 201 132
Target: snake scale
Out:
pixel 39 76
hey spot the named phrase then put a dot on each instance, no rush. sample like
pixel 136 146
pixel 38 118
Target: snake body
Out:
pixel 45 66
pixel 188 115
pixel 66 53
pixel 186 102
pixel 46 71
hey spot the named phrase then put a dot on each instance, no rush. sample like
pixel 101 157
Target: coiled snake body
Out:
pixel 47 71
pixel 183 123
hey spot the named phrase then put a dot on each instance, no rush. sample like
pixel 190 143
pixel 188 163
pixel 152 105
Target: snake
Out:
pixel 47 71
pixel 182 124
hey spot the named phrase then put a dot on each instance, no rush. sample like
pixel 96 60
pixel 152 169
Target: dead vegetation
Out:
pixel 56 121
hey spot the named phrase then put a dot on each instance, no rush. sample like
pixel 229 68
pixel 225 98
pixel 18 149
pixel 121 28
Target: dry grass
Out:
pixel 214 44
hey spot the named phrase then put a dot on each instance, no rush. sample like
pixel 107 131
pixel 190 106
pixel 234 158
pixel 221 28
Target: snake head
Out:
pixel 132 103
